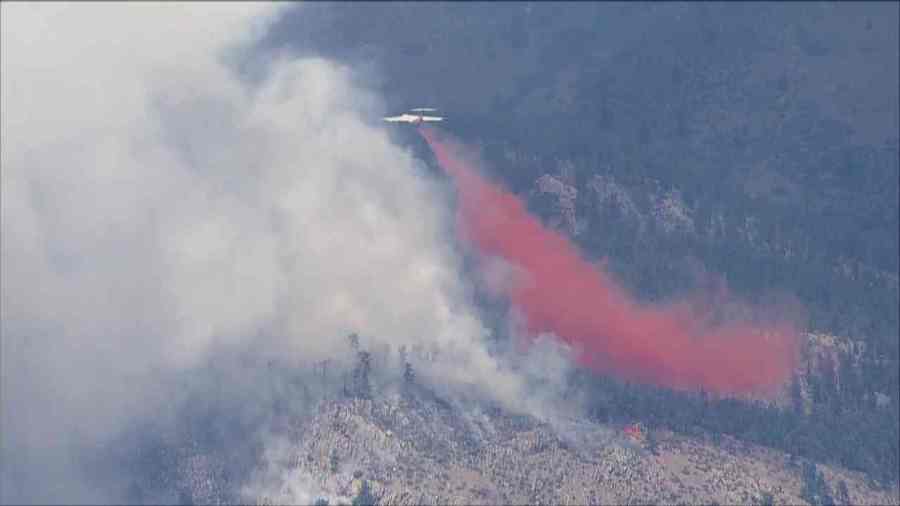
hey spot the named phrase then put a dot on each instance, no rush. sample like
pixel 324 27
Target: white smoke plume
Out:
pixel 158 207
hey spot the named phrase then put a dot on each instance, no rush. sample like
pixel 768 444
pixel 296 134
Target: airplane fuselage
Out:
pixel 415 119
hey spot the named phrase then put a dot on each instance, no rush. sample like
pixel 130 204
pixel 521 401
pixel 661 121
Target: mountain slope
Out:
pixel 411 448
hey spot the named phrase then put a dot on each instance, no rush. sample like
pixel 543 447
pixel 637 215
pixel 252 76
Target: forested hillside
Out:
pixel 769 130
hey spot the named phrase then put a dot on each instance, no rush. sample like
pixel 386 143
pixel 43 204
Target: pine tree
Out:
pixel 796 395
pixel 361 386
pixel 333 462
pixel 409 376
pixel 815 489
pixel 843 495
pixel 652 444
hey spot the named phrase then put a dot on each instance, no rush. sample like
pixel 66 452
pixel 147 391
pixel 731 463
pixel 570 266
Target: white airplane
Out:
pixel 415 116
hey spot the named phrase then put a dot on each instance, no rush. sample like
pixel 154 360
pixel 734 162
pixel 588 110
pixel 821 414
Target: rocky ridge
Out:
pixel 412 448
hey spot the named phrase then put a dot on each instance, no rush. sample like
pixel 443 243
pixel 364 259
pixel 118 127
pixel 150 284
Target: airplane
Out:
pixel 417 117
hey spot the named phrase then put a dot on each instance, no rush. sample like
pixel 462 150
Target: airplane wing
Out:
pixel 411 118
pixel 424 109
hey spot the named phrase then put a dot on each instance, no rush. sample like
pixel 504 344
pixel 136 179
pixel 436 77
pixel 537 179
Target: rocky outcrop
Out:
pixel 417 450
pixel 566 195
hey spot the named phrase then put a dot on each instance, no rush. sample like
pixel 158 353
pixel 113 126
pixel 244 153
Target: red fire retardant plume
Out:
pixel 562 293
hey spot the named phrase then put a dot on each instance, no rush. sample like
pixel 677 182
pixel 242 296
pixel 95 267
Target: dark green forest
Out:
pixel 844 426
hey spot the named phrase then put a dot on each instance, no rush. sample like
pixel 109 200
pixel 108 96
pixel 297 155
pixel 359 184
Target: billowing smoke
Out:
pixel 174 234
pixel 677 345
pixel 183 245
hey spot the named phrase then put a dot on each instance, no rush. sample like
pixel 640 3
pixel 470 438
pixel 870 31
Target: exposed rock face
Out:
pixel 672 214
pixel 566 195
pixel 609 194
pixel 667 211
pixel 648 207
pixel 415 449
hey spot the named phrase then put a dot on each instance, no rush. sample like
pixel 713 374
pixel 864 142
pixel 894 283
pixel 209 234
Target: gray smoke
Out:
pixel 173 231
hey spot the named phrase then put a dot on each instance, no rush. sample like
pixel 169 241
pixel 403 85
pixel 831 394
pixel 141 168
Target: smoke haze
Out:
pixel 177 235
pixel 677 346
